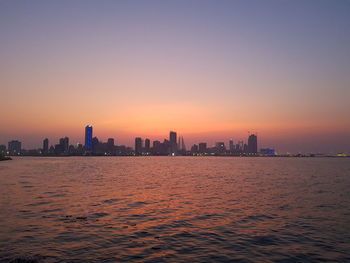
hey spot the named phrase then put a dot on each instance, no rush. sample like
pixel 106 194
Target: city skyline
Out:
pixel 173 145
pixel 86 138
pixel 210 70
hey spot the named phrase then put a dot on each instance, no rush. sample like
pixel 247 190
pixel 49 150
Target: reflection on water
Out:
pixel 180 209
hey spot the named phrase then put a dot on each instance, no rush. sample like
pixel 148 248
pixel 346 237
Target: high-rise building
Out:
pixel 80 149
pixel 95 145
pixel 232 146
pixel 110 146
pixel 252 144
pixel 147 145
pixel 46 146
pixel 245 148
pixel 202 147
pixel 64 142
pixel 88 138
pixel 173 143
pixel 194 149
pixel 14 147
pixel 166 148
pixel 239 147
pixel 156 148
pixel 138 146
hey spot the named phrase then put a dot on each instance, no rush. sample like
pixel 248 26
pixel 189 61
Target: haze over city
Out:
pixel 211 70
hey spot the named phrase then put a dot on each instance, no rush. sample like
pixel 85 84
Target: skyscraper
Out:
pixel 46 146
pixel 138 146
pixel 173 143
pixel 88 138
pixel 232 147
pixel 147 145
pixel 252 144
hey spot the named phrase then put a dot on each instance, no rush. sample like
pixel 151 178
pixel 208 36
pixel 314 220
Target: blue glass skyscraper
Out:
pixel 88 138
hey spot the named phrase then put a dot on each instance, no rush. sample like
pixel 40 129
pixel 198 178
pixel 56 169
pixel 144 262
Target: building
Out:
pixel 2 148
pixel 52 150
pixel 72 150
pixel 95 145
pixel 268 151
pixel 239 147
pixel 245 148
pixel 110 146
pixel 202 147
pixel 45 146
pixel 166 147
pixel 14 147
pixel 80 149
pixel 252 147
pixel 194 149
pixel 232 146
pixel 156 147
pixel 138 146
pixel 64 142
pixel 147 145
pixel 62 148
pixel 88 138
pixel 220 147
pixel 173 142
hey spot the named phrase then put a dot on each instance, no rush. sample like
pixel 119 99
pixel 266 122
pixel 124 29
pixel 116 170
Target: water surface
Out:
pixel 175 209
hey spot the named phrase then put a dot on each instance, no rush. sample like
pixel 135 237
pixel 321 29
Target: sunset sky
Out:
pixel 210 70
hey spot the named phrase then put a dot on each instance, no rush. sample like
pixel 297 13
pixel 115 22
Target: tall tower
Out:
pixel 88 138
pixel 147 145
pixel 252 144
pixel 173 143
pixel 138 146
pixel 46 146
pixel 232 147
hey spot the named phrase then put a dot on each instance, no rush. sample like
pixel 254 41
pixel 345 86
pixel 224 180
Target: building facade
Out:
pixel 88 138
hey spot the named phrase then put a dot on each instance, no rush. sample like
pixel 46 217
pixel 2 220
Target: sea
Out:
pixel 174 209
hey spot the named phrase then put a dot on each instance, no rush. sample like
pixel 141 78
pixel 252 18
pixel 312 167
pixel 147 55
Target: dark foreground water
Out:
pixel 175 209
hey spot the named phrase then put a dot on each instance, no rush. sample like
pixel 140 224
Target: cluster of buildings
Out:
pixel 174 145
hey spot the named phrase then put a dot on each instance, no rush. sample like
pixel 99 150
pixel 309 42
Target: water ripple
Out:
pixel 175 210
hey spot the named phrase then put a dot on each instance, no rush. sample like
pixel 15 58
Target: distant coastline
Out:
pixel 227 156
pixel 5 158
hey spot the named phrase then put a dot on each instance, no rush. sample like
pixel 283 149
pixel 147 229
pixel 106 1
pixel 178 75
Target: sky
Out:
pixel 210 70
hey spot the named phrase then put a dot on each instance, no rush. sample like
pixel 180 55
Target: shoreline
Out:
pixel 5 158
pixel 226 156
